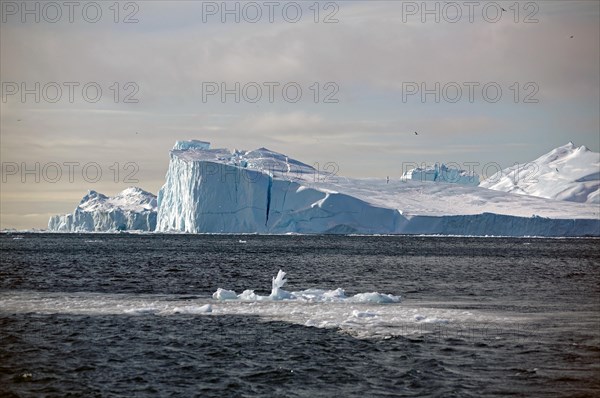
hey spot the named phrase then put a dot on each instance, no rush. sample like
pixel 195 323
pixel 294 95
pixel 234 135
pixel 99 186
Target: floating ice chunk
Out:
pixel 249 295
pixel 311 295
pixel 437 320
pixel 319 295
pixel 338 293
pixel 378 298
pixel 277 293
pixel 363 314
pixel 192 309
pixel 141 311
pixel 223 294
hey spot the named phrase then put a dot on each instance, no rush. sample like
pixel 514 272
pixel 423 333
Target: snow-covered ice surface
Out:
pixel 262 191
pixel 131 209
pixel 567 173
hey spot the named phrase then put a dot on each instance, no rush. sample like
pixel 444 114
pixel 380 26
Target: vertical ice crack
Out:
pixel 269 187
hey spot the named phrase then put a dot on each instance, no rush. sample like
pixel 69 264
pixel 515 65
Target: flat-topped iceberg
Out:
pixel 263 191
pixel 222 191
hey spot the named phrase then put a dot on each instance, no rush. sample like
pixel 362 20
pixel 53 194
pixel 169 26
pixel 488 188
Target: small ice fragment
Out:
pixel 363 314
pixel 436 320
pixel 338 293
pixel 249 295
pixel 192 309
pixel 223 294
pixel 378 298
pixel 419 317
pixel 141 311
pixel 277 293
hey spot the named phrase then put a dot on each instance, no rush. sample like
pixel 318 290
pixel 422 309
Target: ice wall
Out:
pixel 205 196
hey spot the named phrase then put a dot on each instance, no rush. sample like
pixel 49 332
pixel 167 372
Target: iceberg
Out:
pixel 131 209
pixel 262 191
pixel 442 173
pixel 567 173
pixel 217 190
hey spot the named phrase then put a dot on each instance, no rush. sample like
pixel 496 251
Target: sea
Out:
pixel 133 315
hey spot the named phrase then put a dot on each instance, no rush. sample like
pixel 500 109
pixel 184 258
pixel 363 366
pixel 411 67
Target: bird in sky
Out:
pixel 503 10
pixel 572 37
pixel 416 133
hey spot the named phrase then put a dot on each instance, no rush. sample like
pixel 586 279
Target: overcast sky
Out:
pixel 367 61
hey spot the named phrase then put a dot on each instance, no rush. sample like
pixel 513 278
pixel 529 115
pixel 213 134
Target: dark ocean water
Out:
pixel 100 315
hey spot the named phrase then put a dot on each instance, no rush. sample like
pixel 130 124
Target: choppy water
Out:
pixel 123 315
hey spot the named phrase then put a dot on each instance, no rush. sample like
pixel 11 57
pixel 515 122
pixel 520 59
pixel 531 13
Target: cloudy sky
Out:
pixel 510 86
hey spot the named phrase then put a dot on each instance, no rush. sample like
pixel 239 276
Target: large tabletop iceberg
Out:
pixel 262 191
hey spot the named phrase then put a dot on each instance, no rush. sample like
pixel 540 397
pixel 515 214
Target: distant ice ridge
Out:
pixel 442 173
pixel 567 173
pixel 310 295
pixel 131 209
